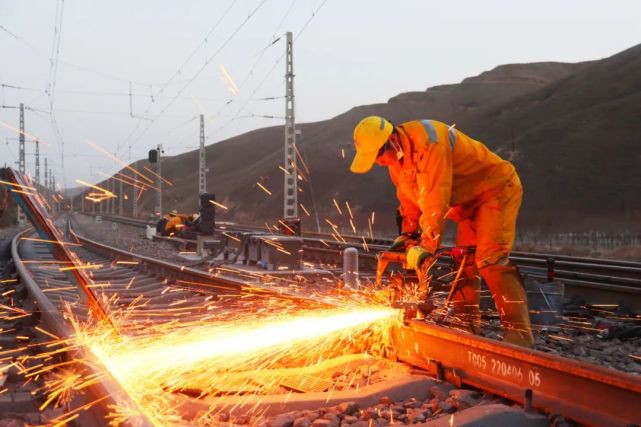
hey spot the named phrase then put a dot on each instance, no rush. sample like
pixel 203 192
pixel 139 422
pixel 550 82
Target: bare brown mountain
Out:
pixel 573 131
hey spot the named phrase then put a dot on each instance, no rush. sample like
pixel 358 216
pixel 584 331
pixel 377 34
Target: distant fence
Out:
pixel 595 240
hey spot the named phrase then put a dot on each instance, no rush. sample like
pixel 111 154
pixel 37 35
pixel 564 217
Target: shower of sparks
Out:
pixel 23 187
pixel 262 187
pixel 349 209
pixel 18 131
pixel 117 160
pixel 166 181
pixel 231 85
pixel 304 210
pixel 338 208
pixel 243 357
pixel 220 205
pixel 103 194
pixel 56 242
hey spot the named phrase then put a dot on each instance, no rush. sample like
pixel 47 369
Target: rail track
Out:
pixel 588 394
pixel 590 280
pixel 584 393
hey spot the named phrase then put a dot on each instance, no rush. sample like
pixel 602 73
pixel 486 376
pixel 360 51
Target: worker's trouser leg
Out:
pixel 466 299
pixel 506 286
pixel 491 228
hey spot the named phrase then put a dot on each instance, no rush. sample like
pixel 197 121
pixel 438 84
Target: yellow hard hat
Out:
pixel 173 213
pixel 370 134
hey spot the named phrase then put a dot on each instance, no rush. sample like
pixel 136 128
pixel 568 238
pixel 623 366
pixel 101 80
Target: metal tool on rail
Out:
pixel 400 285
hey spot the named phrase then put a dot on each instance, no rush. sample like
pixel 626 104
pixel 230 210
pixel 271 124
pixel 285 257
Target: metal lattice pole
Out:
pixel 46 183
pixel 121 212
pixel 113 201
pixel 134 200
pixel 21 160
pixel 202 167
pixel 53 192
pixel 291 184
pixel 37 162
pixel 159 183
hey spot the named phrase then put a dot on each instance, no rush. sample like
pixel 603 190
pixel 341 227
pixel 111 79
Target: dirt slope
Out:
pixel 572 130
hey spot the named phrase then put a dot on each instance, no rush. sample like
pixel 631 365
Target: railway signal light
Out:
pixel 153 156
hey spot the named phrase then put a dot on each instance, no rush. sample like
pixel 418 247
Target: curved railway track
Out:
pixel 162 293
pixel 536 379
pixel 588 394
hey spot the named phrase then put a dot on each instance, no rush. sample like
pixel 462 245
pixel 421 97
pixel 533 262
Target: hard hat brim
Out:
pixel 363 162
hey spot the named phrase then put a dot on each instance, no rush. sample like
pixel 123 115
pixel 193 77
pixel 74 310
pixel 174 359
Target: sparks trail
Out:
pixel 159 323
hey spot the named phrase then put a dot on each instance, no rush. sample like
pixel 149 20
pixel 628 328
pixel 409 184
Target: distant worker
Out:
pixel 174 224
pixel 440 172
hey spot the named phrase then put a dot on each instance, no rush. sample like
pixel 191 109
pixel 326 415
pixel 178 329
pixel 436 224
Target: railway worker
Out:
pixel 439 172
pixel 174 224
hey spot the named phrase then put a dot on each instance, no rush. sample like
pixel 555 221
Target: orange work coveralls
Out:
pixel 174 224
pixel 446 174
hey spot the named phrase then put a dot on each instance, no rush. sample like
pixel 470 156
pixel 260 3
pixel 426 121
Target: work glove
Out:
pixel 400 243
pixel 416 256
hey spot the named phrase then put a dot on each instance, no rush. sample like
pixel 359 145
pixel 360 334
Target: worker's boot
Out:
pixel 466 299
pixel 506 286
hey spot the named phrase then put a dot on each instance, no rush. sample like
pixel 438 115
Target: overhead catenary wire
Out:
pixel 207 62
pixel 51 84
pixel 271 70
pixel 178 72
pixel 55 62
pixel 239 113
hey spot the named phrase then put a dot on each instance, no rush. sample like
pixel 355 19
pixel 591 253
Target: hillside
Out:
pixel 569 128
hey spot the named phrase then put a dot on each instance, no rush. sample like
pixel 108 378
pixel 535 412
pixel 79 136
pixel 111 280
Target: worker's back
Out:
pixel 475 169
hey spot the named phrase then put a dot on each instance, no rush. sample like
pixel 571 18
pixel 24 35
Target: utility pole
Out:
pixel 159 183
pixel 37 162
pixel 202 167
pixel 134 197
pixel 21 160
pixel 113 191
pixel 120 195
pixel 290 205
pixel 46 183
pixel 53 192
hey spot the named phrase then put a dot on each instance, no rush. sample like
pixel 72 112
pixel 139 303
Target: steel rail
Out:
pixel 631 267
pixel 558 385
pixel 579 391
pixel 587 394
pixel 192 278
pixel 616 283
pixel 107 391
pixel 381 243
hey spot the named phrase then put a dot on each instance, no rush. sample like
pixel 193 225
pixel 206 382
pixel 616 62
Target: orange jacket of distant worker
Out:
pixel 174 224
pixel 448 174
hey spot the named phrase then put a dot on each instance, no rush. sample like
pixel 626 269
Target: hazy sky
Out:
pixel 82 56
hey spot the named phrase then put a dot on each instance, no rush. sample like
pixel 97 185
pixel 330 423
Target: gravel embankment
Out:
pixel 443 400
pixel 585 345
pixel 124 237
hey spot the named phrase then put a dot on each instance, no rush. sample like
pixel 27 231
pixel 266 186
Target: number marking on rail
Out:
pixel 502 369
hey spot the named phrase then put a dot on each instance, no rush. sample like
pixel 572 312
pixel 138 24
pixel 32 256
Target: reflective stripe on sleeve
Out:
pixel 451 133
pixel 430 129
